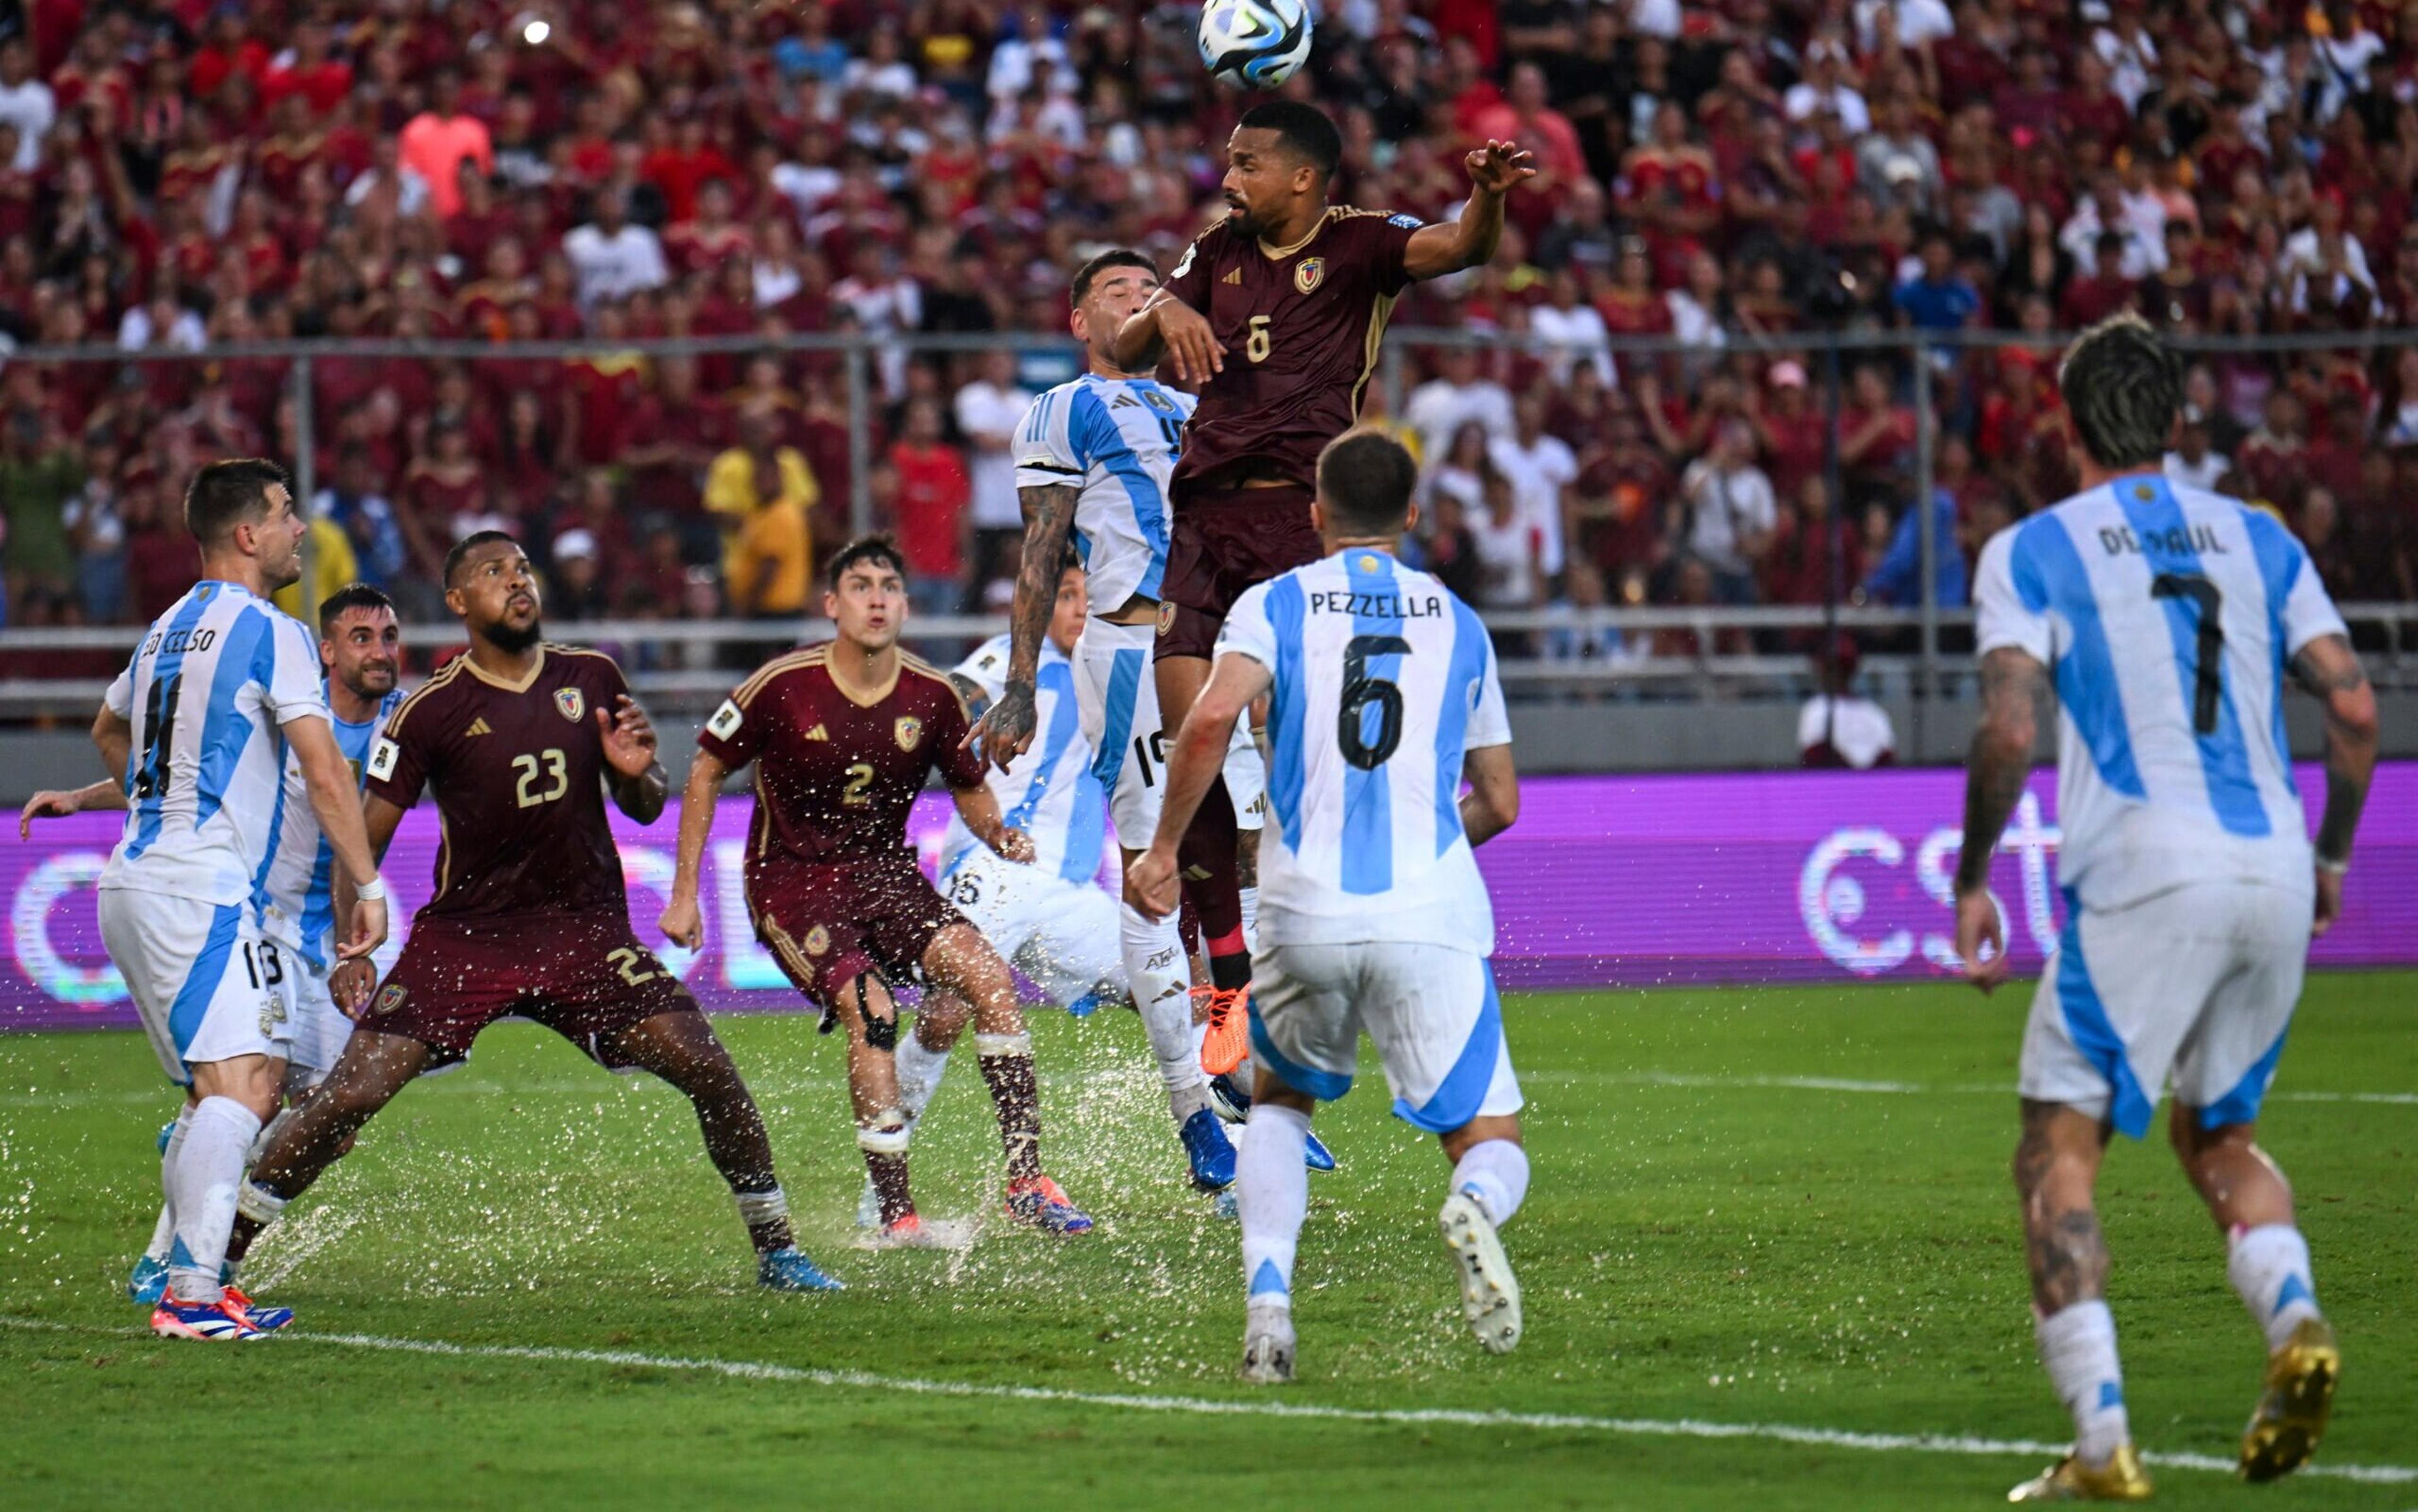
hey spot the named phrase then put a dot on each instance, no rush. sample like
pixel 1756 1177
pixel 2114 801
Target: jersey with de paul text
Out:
pixel 518 771
pixel 836 775
pixel 1300 326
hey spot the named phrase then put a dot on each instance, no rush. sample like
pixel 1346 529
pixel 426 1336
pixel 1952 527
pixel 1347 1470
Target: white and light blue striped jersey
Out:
pixel 1383 681
pixel 1050 791
pixel 1116 438
pixel 301 909
pixel 210 693
pixel 2166 615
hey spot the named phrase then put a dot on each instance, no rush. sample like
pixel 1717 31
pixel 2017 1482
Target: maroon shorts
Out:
pixel 830 923
pixel 584 976
pixel 1223 542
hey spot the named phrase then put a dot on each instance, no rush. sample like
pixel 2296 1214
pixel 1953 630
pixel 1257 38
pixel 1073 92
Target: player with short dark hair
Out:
pixel 1275 311
pixel 842 736
pixel 229 493
pixel 520 739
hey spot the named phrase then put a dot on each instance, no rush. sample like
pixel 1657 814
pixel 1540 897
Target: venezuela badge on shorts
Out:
pixel 390 998
pixel 570 704
pixel 818 940
pixel 1165 616
pixel 1307 272
pixel 908 731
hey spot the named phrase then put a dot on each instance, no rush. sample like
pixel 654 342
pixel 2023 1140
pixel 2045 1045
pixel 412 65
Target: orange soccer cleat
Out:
pixel 1229 1029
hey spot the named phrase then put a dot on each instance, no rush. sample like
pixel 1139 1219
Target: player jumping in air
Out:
pixel 842 736
pixel 360 648
pixel 1383 697
pixel 2163 616
pixel 520 739
pixel 197 730
pixel 1276 312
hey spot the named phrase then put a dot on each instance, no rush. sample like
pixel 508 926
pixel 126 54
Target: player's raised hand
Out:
pixel 1498 166
pixel 1007 728
pixel 682 924
pixel 1978 924
pixel 49 804
pixel 349 985
pixel 629 737
pixel 1015 846
pixel 1191 345
pixel 1151 884
pixel 2330 888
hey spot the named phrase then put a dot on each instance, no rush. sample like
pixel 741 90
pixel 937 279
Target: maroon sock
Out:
pixel 1213 885
pixel 885 1161
pixel 1007 1065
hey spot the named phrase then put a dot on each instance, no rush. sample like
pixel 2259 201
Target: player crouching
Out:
pixel 844 734
pixel 1372 913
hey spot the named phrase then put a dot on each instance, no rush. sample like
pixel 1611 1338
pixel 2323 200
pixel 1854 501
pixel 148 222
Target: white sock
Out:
pixel 209 1167
pixel 1271 1196
pixel 1250 896
pixel 2269 1270
pixel 2078 1347
pixel 918 1075
pixel 163 1233
pixel 268 1136
pixel 1495 1174
pixel 1162 993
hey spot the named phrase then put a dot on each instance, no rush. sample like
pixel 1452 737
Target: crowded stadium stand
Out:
pixel 818 256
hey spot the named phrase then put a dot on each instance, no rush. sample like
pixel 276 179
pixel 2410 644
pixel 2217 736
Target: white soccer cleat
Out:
pixel 1267 1345
pixel 1490 1293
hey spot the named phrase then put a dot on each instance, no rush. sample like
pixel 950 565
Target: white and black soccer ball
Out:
pixel 1254 44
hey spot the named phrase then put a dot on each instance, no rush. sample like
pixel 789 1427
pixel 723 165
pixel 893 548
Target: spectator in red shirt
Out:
pixel 2103 291
pixel 930 512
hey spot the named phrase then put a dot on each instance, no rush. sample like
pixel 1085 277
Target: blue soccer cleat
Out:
pixel 1207 1150
pixel 218 1322
pixel 264 1320
pixel 149 1283
pixel 1314 1153
pixel 1041 1202
pixel 785 1270
pixel 1234 1105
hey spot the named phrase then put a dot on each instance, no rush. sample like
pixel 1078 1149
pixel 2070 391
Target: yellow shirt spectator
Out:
pixel 328 554
pixel 732 493
pixel 772 562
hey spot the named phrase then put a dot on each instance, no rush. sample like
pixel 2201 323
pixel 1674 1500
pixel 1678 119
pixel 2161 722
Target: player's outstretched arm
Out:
pixel 979 807
pixel 680 921
pixel 2013 685
pixel 1198 758
pixel 1005 729
pixel 2330 670
pixel 1167 325
pixel 640 785
pixel 56 803
pixel 1449 246
pixel 336 801
pixel 1492 806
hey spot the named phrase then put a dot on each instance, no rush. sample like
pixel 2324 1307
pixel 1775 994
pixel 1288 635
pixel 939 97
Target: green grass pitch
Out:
pixel 1713 1236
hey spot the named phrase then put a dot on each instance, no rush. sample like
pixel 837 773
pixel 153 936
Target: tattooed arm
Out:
pixel 1006 728
pixel 2330 670
pixel 2014 683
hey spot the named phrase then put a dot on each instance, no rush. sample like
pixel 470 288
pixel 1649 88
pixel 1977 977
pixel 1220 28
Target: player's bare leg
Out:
pixel 922 1058
pixel 372 1070
pixel 2056 1170
pixel 683 1049
pixel 961 962
pixel 2268 1262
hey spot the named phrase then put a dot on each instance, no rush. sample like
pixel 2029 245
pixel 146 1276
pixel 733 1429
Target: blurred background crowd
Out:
pixel 176 173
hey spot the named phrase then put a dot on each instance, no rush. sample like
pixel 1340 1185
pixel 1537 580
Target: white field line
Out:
pixel 1680 1428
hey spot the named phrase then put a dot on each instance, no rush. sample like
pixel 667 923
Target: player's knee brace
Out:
pixel 990 1045
pixel 258 1203
pixel 880 1034
pixel 755 1209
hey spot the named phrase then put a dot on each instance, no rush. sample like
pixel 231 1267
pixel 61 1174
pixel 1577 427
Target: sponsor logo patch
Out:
pixel 1308 273
pixel 1408 222
pixel 818 940
pixel 1184 265
pixel 725 720
pixel 908 731
pixel 390 998
pixel 383 758
pixel 570 704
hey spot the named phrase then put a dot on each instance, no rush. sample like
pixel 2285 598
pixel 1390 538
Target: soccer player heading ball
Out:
pixel 842 735
pixel 2163 616
pixel 1276 312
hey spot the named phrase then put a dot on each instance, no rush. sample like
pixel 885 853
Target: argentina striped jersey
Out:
pixel 301 912
pixel 1049 792
pixel 1115 439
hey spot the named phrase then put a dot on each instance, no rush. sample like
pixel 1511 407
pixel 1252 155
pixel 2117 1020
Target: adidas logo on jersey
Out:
pixel 818 733
pixel 478 727
pixel 1234 277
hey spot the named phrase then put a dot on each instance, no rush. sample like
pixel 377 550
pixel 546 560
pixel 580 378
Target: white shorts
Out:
pixel 1432 1011
pixel 206 985
pixel 1061 934
pixel 1116 701
pixel 2197 984
pixel 320 1029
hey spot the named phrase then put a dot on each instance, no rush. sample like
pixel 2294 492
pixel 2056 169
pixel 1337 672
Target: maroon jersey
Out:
pixel 834 777
pixel 1300 326
pixel 519 777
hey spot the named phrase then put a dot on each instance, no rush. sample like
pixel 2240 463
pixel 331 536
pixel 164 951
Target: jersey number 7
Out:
pixel 1363 691
pixel 2208 688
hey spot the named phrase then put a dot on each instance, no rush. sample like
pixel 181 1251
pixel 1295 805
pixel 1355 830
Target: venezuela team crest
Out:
pixel 570 703
pixel 908 730
pixel 1307 272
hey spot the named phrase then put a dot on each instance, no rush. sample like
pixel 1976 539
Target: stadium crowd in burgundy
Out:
pixel 174 173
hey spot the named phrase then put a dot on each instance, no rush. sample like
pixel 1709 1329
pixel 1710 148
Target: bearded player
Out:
pixel 842 736
pixel 1275 311
pixel 520 739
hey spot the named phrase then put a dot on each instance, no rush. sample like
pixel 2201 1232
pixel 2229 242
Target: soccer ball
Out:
pixel 1254 44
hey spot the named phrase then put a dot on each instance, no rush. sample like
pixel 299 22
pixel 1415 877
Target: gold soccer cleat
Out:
pixel 2291 1415
pixel 2120 1479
